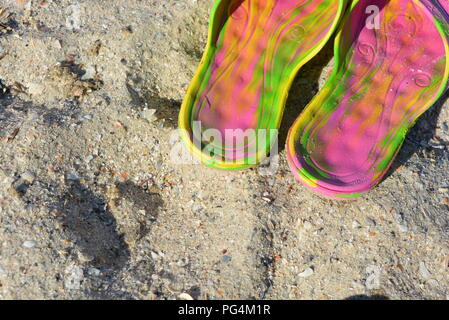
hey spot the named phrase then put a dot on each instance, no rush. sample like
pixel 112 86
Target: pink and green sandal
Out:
pixel 233 107
pixel 392 64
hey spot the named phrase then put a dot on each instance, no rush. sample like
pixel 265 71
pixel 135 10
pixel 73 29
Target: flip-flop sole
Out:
pixel 390 68
pixel 236 99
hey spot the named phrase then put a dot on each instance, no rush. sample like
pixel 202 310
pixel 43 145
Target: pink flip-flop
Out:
pixel 392 64
pixel 234 105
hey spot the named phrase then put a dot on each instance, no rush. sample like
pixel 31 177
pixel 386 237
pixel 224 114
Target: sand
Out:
pixel 93 206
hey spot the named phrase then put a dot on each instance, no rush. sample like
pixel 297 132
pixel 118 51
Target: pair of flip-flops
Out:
pixel 391 65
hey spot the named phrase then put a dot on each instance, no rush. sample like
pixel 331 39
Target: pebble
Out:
pixel 225 259
pixel 185 296
pixel 267 197
pixel 28 176
pixel 308 225
pixel 154 255
pixel 306 273
pixel 424 271
pixel 72 176
pixel 403 227
pixel 90 72
pixel 29 244
pixel 93 271
pixel 148 114
pixel 85 257
pixel 57 44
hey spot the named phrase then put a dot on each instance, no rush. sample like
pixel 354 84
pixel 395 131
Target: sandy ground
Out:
pixel 92 206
